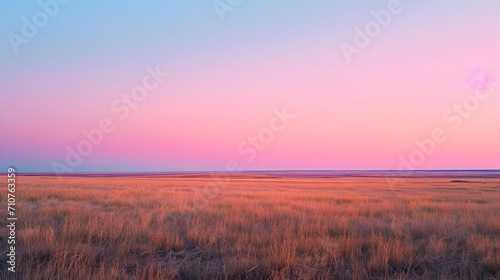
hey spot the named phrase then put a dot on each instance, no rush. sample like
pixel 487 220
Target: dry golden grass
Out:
pixel 173 227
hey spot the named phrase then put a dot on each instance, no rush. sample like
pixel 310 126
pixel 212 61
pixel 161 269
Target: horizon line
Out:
pixel 270 170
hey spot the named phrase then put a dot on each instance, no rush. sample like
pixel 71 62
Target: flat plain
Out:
pixel 256 226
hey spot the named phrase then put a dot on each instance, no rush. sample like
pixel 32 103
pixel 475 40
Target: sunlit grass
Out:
pixel 175 228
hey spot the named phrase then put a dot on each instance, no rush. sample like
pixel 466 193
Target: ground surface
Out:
pixel 256 226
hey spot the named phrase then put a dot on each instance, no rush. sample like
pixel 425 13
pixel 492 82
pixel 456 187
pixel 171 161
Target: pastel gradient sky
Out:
pixel 226 77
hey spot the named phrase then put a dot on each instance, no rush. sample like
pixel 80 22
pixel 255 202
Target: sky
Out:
pixel 249 85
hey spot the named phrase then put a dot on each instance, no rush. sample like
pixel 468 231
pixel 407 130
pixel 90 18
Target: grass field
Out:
pixel 255 227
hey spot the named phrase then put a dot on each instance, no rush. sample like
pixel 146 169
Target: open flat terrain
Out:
pixel 256 226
